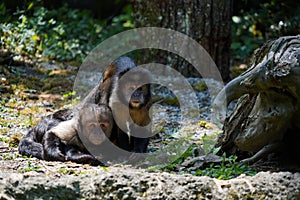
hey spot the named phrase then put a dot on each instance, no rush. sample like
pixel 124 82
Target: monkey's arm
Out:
pixel 53 147
pixel 139 138
pixel 29 147
pixel 140 144
pixel 31 143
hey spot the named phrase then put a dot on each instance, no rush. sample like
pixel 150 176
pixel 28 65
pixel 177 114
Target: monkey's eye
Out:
pixel 102 125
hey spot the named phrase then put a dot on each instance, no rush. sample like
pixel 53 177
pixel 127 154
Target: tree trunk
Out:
pixel 206 21
pixel 266 117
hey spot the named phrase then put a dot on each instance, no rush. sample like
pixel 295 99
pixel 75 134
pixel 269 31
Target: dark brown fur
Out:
pixel 56 136
pixel 58 139
pixel 130 94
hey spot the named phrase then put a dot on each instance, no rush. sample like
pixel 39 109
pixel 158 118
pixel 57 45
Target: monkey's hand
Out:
pixel 54 154
pixel 75 155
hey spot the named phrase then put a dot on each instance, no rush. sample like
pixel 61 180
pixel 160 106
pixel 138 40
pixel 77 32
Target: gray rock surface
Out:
pixel 127 183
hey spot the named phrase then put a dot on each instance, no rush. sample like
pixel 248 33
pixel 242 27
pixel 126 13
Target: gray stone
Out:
pixel 128 183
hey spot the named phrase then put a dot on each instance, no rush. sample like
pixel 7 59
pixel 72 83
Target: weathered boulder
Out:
pixel 128 183
pixel 266 118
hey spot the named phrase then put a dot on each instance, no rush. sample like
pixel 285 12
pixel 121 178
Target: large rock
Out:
pixel 266 117
pixel 127 183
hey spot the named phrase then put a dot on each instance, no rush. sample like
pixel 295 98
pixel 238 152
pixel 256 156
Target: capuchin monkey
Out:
pixel 64 139
pixel 129 95
pixel 130 101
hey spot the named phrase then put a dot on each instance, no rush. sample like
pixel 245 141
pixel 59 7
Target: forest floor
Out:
pixel 30 93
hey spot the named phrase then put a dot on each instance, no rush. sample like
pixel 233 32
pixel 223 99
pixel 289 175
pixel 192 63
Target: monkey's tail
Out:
pixel 28 147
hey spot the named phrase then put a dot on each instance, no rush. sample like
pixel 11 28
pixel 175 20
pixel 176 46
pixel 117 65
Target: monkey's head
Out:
pixel 92 119
pixel 110 76
pixel 118 67
pixel 132 91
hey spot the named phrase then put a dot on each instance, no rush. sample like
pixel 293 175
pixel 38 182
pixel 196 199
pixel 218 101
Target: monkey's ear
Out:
pixel 65 130
pixel 109 72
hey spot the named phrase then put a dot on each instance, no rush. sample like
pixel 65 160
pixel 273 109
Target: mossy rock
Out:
pixel 171 101
pixel 200 86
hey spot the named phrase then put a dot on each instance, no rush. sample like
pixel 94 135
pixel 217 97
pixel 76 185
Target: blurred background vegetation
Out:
pixel 68 30
pixel 256 21
pixel 62 32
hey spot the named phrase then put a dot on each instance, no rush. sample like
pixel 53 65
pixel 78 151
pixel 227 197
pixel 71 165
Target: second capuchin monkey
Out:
pixel 67 140
pixel 123 94
pixel 130 101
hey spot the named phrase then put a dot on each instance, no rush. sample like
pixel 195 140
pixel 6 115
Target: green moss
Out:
pixel 171 101
pixel 14 140
pixel 200 86
pixel 66 171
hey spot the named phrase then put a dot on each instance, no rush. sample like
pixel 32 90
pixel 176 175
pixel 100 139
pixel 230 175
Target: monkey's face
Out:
pixel 96 123
pixel 134 93
pixel 139 96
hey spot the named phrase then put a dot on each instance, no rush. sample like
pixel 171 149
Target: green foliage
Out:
pixel 7 156
pixel 190 152
pixel 30 167
pixel 229 168
pixel 63 34
pixel 70 99
pixel 68 171
pixel 4 139
pixel 255 21
pixel 29 122
pixel 68 95
pixel 209 142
